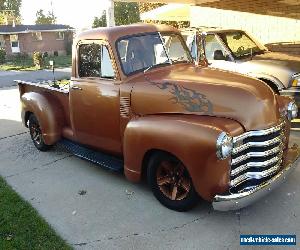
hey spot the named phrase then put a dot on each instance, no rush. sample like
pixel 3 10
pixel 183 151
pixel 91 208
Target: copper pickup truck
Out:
pixel 137 103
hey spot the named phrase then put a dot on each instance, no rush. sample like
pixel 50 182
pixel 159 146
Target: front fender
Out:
pixel 192 139
pixel 48 113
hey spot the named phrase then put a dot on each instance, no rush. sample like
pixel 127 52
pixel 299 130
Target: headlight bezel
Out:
pixel 292 110
pixel 224 145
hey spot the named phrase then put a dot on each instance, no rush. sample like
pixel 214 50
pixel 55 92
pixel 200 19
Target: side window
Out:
pixel 89 60
pixel 94 61
pixel 107 70
pixel 212 44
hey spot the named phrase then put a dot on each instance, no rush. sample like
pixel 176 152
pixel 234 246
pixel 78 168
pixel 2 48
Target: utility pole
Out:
pixel 110 15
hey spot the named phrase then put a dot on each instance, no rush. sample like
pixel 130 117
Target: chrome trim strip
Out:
pixel 255 175
pixel 257 154
pixel 262 164
pixel 256 144
pixel 258 132
pixel 243 199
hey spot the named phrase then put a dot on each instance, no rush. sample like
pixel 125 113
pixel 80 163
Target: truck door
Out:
pixel 94 98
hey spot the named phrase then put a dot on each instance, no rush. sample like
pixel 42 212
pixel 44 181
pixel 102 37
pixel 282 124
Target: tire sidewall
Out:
pixel 42 146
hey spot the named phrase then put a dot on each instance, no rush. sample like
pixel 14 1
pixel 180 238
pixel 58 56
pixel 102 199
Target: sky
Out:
pixel 78 14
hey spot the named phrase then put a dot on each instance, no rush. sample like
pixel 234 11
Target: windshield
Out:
pixel 141 52
pixel 240 44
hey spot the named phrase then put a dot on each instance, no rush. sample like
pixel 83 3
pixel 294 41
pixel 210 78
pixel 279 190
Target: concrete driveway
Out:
pixel 7 77
pixel 116 214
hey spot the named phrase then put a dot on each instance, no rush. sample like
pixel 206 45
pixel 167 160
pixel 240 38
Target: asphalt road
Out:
pixel 7 77
pixel 116 214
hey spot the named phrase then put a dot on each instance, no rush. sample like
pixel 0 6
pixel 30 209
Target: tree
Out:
pixel 126 13
pixel 100 21
pixel 10 11
pixel 41 18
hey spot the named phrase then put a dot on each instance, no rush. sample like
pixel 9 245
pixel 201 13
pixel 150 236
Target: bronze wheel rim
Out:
pixel 36 133
pixel 173 180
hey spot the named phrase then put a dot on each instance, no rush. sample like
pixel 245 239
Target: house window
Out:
pixel 14 40
pixel 60 35
pixel 2 41
pixel 37 36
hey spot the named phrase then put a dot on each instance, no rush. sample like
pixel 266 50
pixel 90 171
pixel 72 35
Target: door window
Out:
pixel 94 61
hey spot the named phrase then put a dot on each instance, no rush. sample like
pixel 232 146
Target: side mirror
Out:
pixel 218 55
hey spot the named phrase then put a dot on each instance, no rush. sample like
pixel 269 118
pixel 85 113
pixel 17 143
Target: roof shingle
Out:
pixel 7 29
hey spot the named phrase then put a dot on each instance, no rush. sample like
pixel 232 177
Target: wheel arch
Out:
pixel 47 112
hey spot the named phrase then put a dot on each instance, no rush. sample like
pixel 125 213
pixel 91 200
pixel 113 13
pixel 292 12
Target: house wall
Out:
pixel 267 29
pixel 49 43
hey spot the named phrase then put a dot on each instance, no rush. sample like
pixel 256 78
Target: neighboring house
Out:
pixel 30 38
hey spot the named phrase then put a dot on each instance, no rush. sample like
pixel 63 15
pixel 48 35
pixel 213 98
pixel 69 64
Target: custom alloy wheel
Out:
pixel 173 180
pixel 36 133
pixel 171 183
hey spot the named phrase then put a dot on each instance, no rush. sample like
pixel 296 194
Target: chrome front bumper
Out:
pixel 240 200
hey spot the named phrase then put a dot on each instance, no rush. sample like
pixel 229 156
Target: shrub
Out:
pixel 68 46
pixel 55 53
pixel 38 59
pixel 20 58
pixel 2 55
pixel 45 54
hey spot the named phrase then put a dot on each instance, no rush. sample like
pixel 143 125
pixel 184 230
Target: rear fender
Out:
pixel 48 112
pixel 192 139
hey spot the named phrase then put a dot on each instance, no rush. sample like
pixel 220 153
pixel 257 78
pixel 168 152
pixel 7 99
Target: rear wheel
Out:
pixel 36 134
pixel 171 183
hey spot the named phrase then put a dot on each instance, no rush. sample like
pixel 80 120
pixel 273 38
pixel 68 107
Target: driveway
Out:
pixel 7 77
pixel 116 214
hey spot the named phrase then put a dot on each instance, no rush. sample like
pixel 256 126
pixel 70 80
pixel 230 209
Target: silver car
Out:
pixel 237 51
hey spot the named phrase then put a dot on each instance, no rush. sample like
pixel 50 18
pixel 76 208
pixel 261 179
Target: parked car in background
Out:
pixel 237 51
pixel 137 103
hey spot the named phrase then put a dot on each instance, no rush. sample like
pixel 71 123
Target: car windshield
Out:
pixel 240 44
pixel 141 52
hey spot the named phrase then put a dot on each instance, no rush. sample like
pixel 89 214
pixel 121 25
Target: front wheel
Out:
pixel 171 183
pixel 36 134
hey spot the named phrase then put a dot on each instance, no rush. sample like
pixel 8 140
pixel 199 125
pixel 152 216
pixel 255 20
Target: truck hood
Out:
pixel 187 89
pixel 279 65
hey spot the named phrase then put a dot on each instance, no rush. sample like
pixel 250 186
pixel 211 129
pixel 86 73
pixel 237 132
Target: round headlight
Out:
pixel 292 110
pixel 224 145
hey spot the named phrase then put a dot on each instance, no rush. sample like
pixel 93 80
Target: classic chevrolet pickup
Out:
pixel 137 103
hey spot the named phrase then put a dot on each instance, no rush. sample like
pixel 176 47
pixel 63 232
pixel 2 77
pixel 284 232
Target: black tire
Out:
pixel 187 201
pixel 36 134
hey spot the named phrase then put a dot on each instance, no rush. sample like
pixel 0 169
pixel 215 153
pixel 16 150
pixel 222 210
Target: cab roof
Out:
pixel 114 33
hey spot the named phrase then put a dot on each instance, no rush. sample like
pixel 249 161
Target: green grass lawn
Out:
pixel 21 227
pixel 62 61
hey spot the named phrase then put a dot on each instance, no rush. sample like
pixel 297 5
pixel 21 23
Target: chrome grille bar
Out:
pixel 256 154
pixel 255 175
pixel 256 144
pixel 258 133
pixel 263 164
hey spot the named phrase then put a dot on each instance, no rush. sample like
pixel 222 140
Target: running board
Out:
pixel 105 160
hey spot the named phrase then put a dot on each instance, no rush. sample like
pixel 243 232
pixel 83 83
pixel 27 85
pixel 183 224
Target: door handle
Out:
pixel 76 88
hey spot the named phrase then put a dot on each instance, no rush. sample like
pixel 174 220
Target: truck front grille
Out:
pixel 256 157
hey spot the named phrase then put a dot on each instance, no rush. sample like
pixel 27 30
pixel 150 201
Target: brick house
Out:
pixel 30 38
